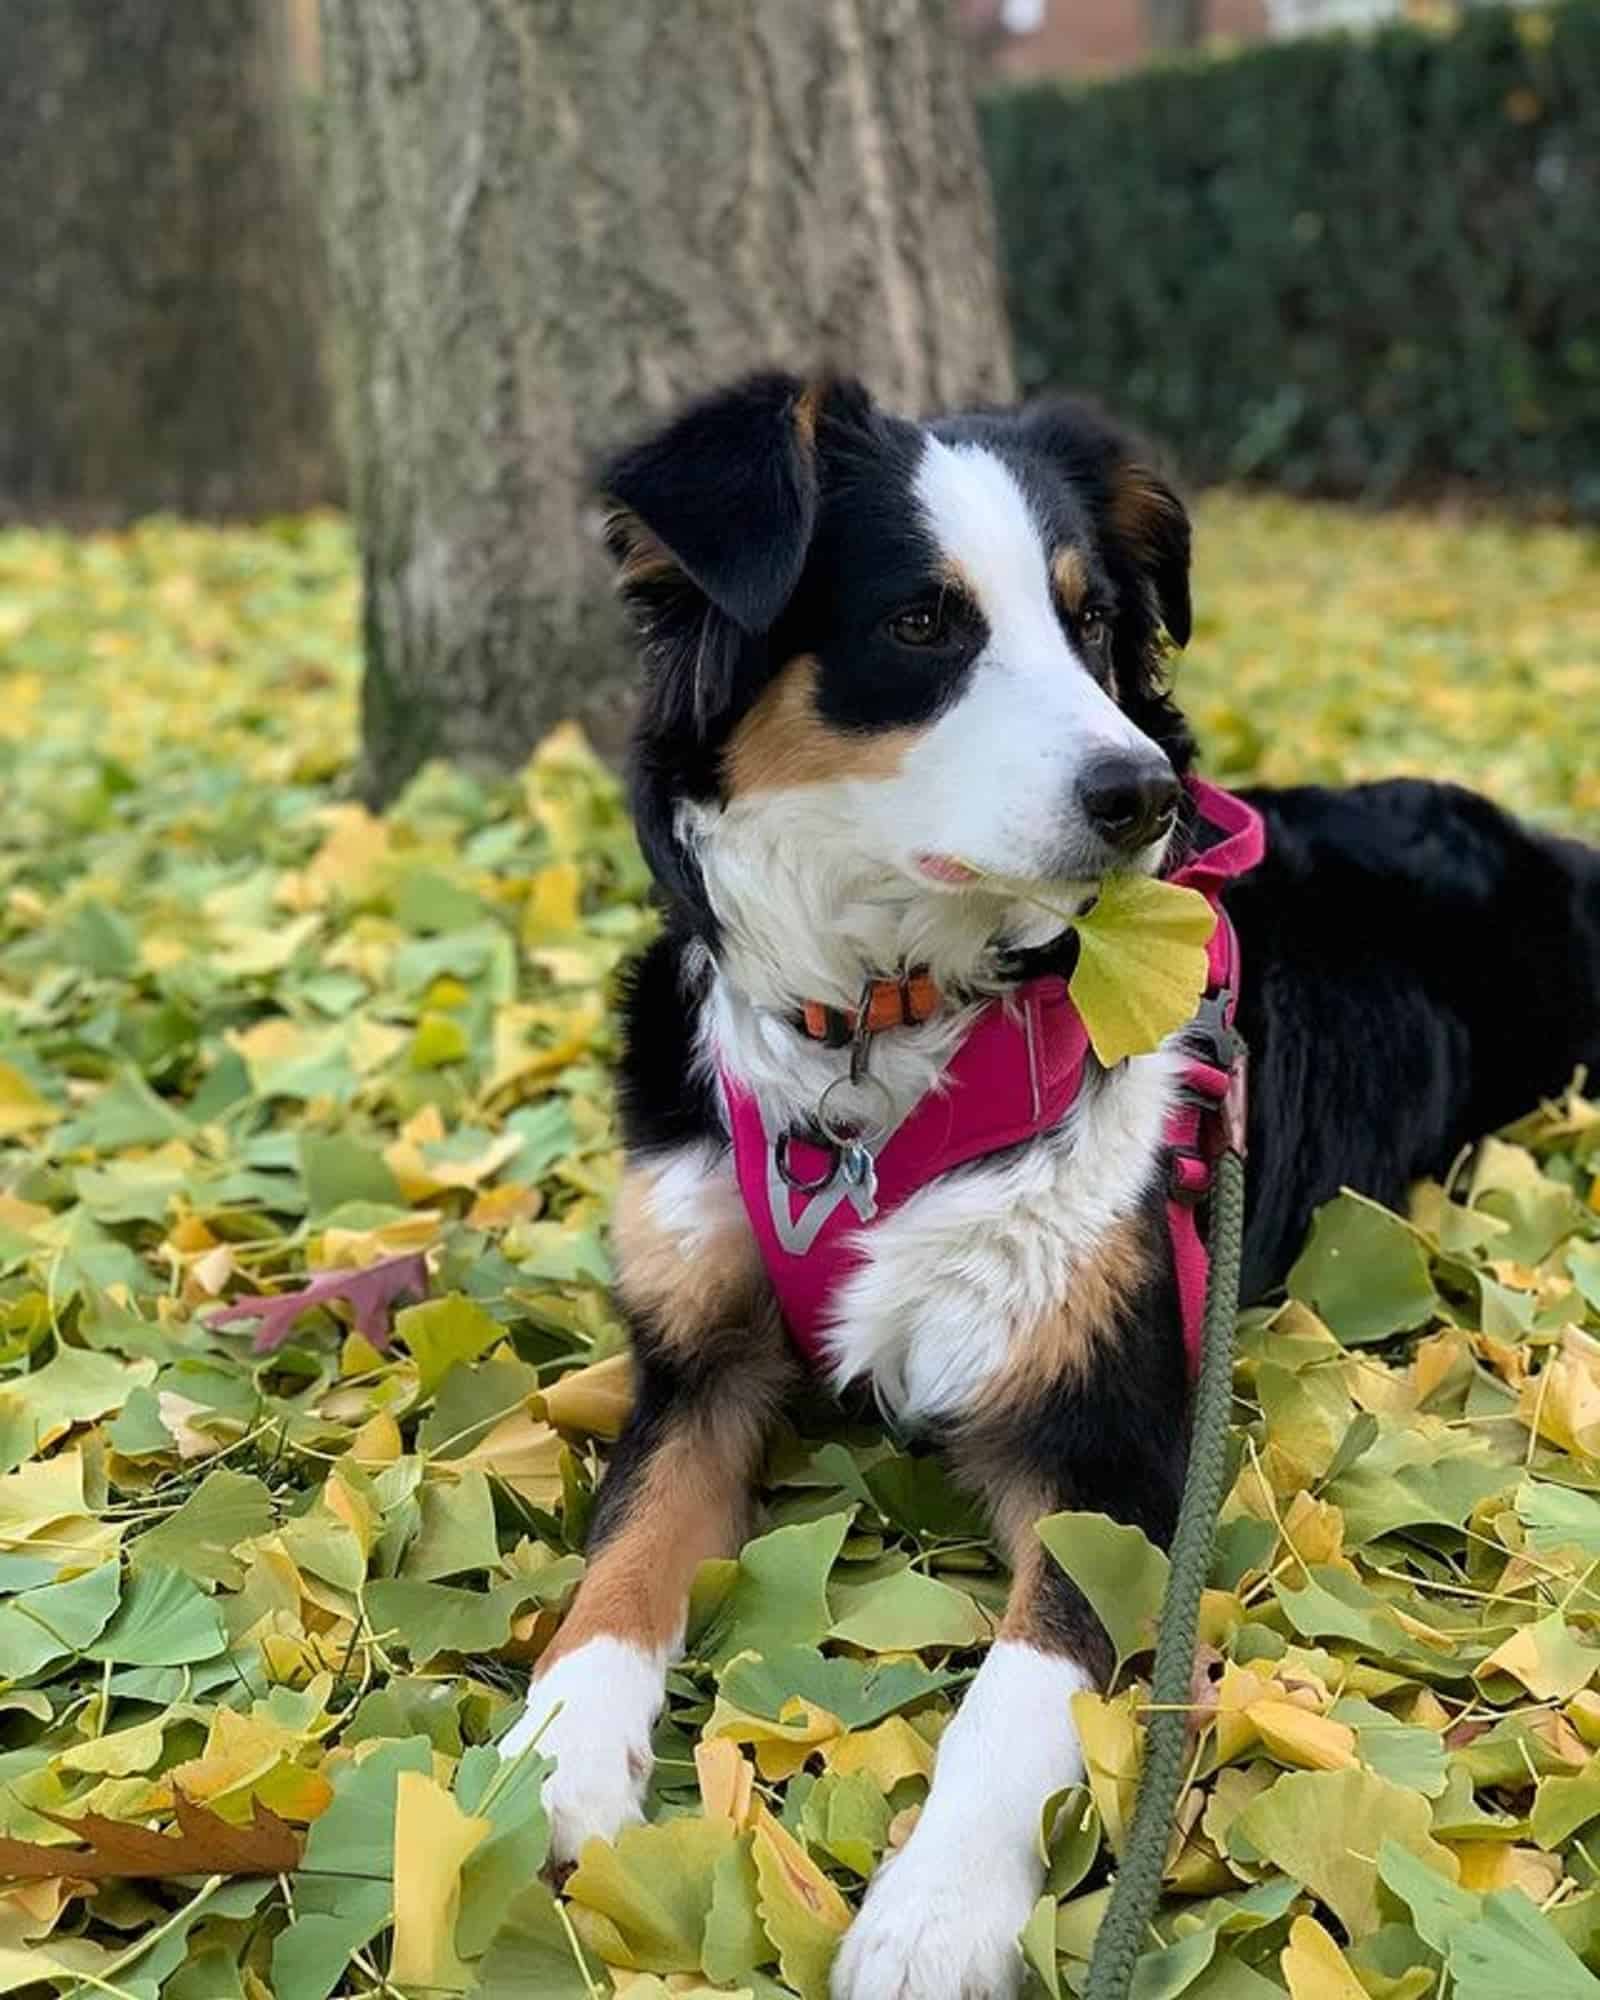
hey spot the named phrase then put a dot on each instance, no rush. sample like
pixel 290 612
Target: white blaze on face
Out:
pixel 994 780
pixel 817 879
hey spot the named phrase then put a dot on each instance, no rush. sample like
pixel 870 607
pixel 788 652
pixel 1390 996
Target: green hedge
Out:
pixel 1352 266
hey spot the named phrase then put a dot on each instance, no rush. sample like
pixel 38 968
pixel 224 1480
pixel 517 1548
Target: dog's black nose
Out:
pixel 1129 801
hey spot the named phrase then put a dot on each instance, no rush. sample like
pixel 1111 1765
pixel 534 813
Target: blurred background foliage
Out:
pixel 1353 266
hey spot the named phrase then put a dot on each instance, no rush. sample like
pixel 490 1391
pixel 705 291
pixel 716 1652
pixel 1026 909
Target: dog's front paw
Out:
pixel 939 1925
pixel 592 1712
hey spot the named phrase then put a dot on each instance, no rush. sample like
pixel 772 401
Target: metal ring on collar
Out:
pixel 834 1127
pixel 780 1159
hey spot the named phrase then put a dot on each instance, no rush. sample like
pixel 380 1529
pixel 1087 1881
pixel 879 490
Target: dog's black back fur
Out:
pixel 1419 968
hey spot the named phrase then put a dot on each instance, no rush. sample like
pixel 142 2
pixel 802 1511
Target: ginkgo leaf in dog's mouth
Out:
pixel 1141 963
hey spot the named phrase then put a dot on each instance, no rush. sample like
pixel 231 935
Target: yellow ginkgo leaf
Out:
pixel 1113 1752
pixel 377 1441
pixel 727 1782
pixel 1141 964
pixel 781 1747
pixel 524 1453
pixel 888 1752
pixel 1142 959
pixel 432 1838
pixel 1487 1865
pixel 1314 1967
pixel 22 1109
pixel 1300 1737
pixel 594 1400
pixel 1548 1657
pixel 552 907
pixel 801 1911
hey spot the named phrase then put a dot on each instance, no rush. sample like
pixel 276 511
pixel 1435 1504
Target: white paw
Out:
pixel 934 1930
pixel 941 1918
pixel 593 1713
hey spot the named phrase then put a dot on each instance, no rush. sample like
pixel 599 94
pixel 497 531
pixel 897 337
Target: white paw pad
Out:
pixel 593 1713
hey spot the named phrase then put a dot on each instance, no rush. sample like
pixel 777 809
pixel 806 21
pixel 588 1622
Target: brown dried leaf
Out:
pixel 203 1845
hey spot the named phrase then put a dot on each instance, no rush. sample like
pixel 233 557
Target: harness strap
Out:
pixel 1016 1073
pixel 1195 1128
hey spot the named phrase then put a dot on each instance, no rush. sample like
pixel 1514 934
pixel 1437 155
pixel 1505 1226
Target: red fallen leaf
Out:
pixel 371 1294
pixel 203 1845
pixel 1464 1733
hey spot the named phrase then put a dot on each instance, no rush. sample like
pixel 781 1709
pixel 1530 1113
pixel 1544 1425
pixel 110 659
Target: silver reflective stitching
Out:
pixel 797 1235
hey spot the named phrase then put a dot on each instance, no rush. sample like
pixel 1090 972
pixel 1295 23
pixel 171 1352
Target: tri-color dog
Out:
pixel 887 662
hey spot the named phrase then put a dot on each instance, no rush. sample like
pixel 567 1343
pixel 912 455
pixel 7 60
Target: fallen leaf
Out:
pixel 432 1840
pixel 203 1845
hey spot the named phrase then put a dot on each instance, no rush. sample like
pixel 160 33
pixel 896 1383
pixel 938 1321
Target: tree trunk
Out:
pixel 1174 24
pixel 551 219
pixel 160 320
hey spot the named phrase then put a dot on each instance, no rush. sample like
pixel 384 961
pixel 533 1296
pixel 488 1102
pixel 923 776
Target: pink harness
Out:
pixel 1016 1073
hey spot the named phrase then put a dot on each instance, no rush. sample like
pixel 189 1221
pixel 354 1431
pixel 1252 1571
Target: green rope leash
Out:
pixel 1138 1885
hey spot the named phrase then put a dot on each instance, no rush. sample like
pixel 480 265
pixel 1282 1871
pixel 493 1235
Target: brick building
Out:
pixel 1022 38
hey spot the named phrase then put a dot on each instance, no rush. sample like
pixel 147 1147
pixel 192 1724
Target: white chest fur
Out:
pixel 974 1262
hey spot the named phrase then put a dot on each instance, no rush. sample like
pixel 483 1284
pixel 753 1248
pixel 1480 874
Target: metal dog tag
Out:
pixel 859 1173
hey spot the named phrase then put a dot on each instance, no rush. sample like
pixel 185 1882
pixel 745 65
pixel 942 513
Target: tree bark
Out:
pixel 550 221
pixel 161 322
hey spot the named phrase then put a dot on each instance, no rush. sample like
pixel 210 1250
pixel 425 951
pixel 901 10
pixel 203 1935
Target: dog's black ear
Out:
pixel 726 496
pixel 1143 523
pixel 710 524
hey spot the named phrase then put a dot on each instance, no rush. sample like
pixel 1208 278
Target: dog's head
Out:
pixel 881 654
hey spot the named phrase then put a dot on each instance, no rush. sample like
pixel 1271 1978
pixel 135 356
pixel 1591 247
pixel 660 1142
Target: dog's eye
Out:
pixel 918 625
pixel 1094 625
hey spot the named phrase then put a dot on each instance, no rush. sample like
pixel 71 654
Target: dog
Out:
pixel 895 672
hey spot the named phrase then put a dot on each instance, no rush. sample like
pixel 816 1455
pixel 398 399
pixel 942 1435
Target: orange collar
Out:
pixel 884 1003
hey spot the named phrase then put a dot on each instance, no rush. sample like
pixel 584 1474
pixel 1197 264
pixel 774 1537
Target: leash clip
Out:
pixel 861 1038
pixel 1212 1028
pixel 850 1142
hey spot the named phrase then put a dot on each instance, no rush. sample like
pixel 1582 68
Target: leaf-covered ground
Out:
pixel 272 1608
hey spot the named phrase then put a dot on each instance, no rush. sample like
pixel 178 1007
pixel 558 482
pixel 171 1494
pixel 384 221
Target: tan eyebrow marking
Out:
pixel 953 577
pixel 1070 573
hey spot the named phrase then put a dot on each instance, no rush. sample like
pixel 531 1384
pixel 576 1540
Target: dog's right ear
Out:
pixel 710 523
pixel 726 496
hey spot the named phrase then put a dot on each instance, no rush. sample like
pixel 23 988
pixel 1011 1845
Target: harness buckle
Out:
pixel 1219 1039
pixel 1215 1086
